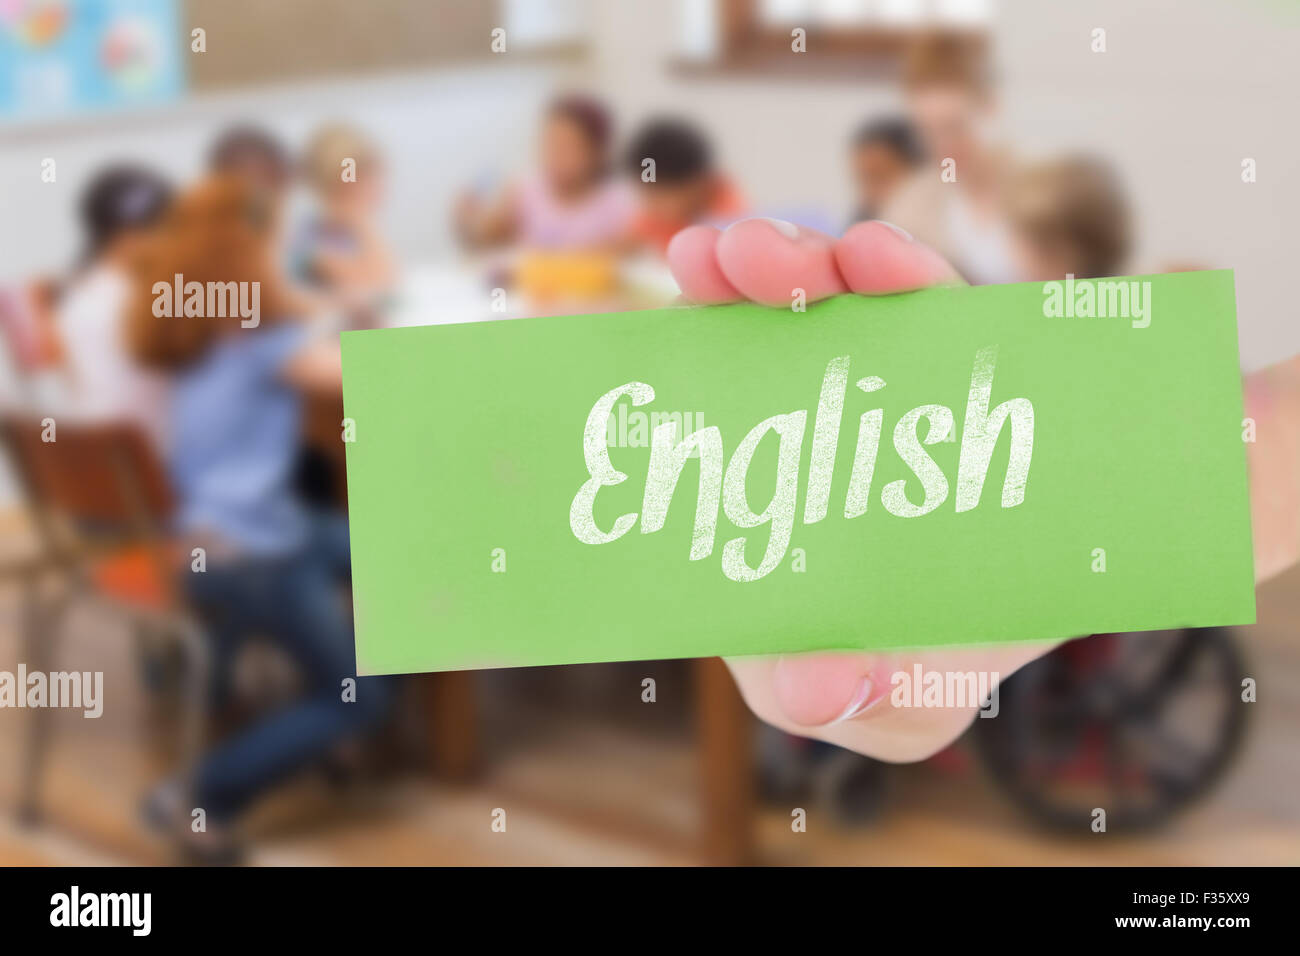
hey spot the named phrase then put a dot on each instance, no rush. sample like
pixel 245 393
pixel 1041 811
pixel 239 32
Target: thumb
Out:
pixel 818 689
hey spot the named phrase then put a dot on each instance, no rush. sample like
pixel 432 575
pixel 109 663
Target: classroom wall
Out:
pixel 256 42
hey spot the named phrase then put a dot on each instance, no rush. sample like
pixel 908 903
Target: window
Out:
pixel 843 37
pixel 545 24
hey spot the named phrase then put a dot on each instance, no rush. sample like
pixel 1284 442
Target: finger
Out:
pixel 877 257
pixel 821 695
pixel 881 731
pixel 692 257
pixel 768 259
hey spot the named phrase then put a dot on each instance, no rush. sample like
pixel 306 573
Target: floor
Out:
pixel 583 791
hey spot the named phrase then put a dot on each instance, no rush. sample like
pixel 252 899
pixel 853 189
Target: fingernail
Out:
pixel 898 229
pixel 860 702
pixel 788 229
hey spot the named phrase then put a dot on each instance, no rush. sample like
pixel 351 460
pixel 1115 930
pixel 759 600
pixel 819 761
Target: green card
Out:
pixel 951 466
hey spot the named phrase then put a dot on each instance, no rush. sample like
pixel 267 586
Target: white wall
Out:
pixel 1184 92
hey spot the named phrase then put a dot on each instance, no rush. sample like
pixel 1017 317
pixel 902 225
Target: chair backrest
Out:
pixel 103 474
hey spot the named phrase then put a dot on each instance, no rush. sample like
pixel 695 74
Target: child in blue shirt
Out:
pixel 273 567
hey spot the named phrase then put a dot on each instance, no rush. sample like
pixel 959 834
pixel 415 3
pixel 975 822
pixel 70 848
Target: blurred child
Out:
pixel 258 159
pixel 253 155
pixel 340 248
pixel 686 189
pixel 571 202
pixel 339 261
pixel 272 565
pixel 884 153
pixel 102 381
pixel 954 201
pixel 1069 216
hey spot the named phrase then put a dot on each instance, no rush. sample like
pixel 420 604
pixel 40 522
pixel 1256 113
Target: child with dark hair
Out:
pixel 252 154
pixel 258 158
pixel 102 382
pixel 883 154
pixel 570 203
pixel 680 186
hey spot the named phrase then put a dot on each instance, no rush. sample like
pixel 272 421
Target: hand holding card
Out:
pixel 470 448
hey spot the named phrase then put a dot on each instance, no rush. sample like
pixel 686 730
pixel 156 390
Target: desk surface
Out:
pixel 452 292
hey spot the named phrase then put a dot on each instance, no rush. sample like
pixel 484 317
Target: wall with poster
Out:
pixel 70 57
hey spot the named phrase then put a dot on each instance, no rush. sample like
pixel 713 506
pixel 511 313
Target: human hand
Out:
pixel 842 698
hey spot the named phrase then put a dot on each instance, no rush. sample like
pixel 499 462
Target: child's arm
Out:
pixel 370 269
pixel 482 223
pixel 316 368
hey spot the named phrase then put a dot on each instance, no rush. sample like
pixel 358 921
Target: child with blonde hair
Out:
pixel 340 249
pixel 1069 216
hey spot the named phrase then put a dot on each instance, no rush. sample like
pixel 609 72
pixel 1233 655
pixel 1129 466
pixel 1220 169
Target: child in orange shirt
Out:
pixel 681 188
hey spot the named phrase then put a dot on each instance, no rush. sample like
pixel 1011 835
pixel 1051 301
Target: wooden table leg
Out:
pixel 726 730
pixel 449 702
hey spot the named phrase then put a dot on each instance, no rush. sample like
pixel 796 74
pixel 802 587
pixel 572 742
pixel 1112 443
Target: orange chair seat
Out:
pixel 132 576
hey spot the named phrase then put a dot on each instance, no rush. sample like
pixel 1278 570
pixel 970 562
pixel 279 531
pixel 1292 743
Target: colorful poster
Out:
pixel 61 57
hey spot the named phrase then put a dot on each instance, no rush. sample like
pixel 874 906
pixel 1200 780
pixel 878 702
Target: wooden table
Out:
pixel 725 751
pixel 724 723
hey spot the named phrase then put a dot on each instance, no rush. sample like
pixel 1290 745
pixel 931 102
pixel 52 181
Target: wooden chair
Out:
pixel 98 501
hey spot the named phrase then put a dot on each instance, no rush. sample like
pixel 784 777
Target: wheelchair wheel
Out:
pixel 1137 724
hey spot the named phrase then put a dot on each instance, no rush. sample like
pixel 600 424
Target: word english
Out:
pixel 726 487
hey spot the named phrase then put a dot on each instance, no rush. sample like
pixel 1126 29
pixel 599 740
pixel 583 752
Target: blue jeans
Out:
pixel 293 601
